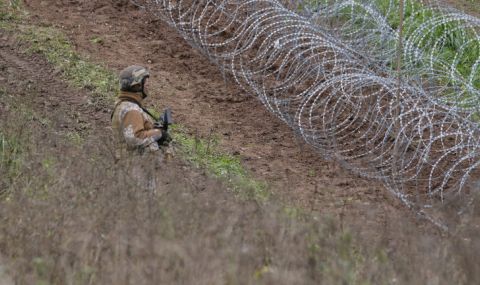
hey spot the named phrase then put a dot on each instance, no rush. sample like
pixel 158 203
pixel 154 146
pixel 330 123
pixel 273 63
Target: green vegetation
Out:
pixel 205 154
pixel 58 50
pixel 452 38
pixel 16 147
pixel 13 144
pixel 10 10
pixel 448 43
pixel 10 159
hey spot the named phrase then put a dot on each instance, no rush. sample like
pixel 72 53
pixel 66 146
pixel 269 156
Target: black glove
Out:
pixel 165 139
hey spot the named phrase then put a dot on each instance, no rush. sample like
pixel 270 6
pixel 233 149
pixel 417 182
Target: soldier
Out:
pixel 133 124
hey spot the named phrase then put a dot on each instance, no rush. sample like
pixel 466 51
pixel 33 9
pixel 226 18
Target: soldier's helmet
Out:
pixel 132 76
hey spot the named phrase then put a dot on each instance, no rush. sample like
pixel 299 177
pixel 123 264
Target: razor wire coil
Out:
pixel 327 69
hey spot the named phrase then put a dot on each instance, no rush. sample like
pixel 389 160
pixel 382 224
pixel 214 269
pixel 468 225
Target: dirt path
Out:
pixel 119 35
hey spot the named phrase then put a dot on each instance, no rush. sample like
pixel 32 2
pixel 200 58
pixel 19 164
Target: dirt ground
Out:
pixel 206 104
pixel 97 219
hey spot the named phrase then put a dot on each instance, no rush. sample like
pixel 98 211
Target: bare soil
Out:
pixel 99 226
pixel 207 104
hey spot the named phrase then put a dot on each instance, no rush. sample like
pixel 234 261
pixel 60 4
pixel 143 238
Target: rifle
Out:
pixel 162 123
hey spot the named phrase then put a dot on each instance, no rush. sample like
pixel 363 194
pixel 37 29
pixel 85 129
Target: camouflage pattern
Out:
pixel 131 76
pixel 132 126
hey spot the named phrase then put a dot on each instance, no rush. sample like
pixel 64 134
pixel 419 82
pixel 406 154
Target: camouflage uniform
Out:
pixel 131 124
pixel 134 130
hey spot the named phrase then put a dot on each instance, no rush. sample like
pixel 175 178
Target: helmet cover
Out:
pixel 131 76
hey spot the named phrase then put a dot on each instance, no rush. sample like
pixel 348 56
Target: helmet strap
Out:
pixel 144 95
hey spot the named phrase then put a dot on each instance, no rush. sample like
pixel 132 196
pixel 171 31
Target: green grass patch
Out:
pixel 452 43
pixel 58 50
pixel 11 159
pixel 448 42
pixel 14 143
pixel 10 11
pixel 204 153
pixel 17 149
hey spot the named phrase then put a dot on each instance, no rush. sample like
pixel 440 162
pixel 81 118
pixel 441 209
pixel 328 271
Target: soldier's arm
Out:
pixel 134 130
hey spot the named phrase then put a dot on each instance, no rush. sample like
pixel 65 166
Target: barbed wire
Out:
pixel 442 45
pixel 328 70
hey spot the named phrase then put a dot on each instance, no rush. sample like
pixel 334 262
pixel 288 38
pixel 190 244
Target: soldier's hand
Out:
pixel 158 125
pixel 165 139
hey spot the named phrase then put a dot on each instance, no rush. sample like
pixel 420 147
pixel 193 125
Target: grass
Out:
pixel 10 160
pixel 96 224
pixel 16 147
pixel 203 153
pixel 12 147
pixel 10 10
pixel 58 50
pixel 461 46
pixel 76 69
pixel 453 39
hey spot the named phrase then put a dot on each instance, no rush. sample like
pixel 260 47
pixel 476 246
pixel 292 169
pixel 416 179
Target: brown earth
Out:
pixel 190 231
pixel 35 227
pixel 204 102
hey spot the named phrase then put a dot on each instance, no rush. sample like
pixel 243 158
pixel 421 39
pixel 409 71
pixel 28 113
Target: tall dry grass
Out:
pixel 76 214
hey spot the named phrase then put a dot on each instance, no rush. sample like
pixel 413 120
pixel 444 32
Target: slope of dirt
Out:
pixel 89 231
pixel 78 217
pixel 118 34
pixel 68 217
pixel 60 110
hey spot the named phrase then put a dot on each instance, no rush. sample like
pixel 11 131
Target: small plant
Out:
pixel 205 154
pixel 58 50
pixel 75 138
pixel 10 11
pixel 10 159
pixel 97 40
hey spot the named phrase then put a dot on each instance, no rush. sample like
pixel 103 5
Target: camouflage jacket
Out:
pixel 132 125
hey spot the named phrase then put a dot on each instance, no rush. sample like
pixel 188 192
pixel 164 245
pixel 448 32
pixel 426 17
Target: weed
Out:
pixel 10 159
pixel 58 50
pixel 97 40
pixel 455 49
pixel 75 138
pixel 10 11
pixel 13 144
pixel 205 154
